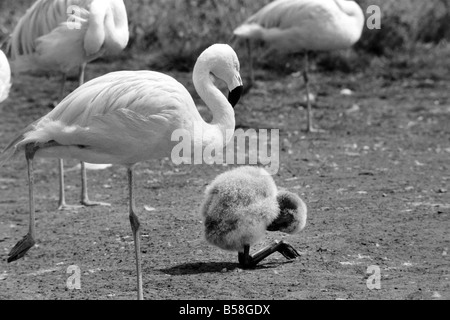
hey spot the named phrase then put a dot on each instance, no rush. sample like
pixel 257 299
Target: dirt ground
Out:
pixel 376 184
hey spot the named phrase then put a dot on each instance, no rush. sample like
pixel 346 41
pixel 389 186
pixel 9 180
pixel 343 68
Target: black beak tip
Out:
pixel 235 95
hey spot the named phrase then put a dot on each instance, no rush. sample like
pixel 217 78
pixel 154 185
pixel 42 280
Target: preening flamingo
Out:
pixel 126 117
pixel 61 35
pixel 5 77
pixel 304 25
pixel 241 204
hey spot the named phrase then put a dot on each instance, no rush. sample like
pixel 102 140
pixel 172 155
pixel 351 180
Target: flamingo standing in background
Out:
pixel 126 117
pixel 61 35
pixel 303 25
pixel 5 77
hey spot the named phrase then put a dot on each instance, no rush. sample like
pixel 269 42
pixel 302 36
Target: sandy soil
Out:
pixel 376 185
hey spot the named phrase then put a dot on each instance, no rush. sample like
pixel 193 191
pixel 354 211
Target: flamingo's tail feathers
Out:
pixel 249 31
pixel 292 217
pixel 11 150
pixel 34 50
pixel 16 145
pixel 67 40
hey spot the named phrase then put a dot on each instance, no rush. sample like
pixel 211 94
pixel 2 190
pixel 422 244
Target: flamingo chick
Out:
pixel 304 25
pixel 127 117
pixel 5 77
pixel 241 204
pixel 61 35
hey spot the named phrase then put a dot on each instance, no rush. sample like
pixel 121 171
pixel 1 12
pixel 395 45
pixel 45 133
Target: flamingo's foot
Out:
pixel 288 251
pixel 89 203
pixel 315 130
pixel 21 248
pixel 63 206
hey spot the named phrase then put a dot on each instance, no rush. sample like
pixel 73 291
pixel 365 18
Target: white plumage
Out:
pixel 304 25
pixel 60 35
pixel 128 116
pixel 5 77
pixel 242 204
pixel 295 25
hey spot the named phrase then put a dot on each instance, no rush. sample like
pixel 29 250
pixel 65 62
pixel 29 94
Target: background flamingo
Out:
pixel 61 35
pixel 304 25
pixel 5 77
pixel 129 116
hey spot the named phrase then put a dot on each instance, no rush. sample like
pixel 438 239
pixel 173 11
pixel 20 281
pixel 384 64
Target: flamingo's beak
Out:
pixel 235 95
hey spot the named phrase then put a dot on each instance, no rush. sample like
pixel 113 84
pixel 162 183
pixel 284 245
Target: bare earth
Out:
pixel 376 185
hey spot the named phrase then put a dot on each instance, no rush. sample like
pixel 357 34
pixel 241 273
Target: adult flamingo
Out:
pixel 304 25
pixel 61 35
pixel 126 117
pixel 5 77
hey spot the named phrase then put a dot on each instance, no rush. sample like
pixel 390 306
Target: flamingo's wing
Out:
pixel 294 25
pixel 40 19
pixel 62 48
pixel 145 93
pixel 284 14
pixel 51 36
pixel 116 112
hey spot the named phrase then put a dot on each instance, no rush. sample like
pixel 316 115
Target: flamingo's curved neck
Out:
pixel 351 9
pixel 223 113
pixel 116 26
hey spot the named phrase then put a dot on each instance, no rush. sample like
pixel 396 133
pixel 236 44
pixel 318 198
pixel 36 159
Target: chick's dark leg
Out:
pixel 248 261
pixel 244 257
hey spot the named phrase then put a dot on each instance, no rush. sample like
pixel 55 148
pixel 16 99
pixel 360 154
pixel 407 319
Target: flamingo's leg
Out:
pixel 21 248
pixel 310 127
pixel 84 193
pixel 62 194
pixel 135 228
